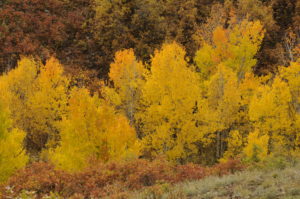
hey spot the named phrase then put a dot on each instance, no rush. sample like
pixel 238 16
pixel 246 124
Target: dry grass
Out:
pixel 278 183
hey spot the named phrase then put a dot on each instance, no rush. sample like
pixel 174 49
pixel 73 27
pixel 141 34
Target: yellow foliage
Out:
pixel 223 96
pixel 36 95
pixel 225 68
pixel 270 111
pixel 235 48
pixel 127 75
pixel 257 146
pixel 125 69
pixel 221 112
pixel 291 75
pixel 235 145
pixel 205 62
pixel 170 97
pixel 48 103
pixel 92 130
pixel 244 43
pixel 219 36
pixel 12 154
pixel 248 87
pixel 16 86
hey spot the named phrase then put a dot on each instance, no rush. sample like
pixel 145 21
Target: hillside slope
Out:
pixel 278 183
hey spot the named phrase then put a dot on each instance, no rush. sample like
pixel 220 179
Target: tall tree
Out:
pixel 170 97
pixel 271 113
pixel 224 100
pixel 12 153
pixel 103 134
pixel 225 63
pixel 36 94
pixel 127 76
pixel 234 47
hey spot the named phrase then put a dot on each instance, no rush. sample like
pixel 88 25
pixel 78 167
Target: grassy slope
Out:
pixel 284 184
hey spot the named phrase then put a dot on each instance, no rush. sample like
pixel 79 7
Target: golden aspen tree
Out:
pixel 257 146
pixel 48 103
pixel 291 76
pixel 244 42
pixel 127 75
pixel 235 137
pixel 12 153
pixel 223 98
pixel 172 106
pixel 249 86
pixel 92 130
pixel 235 143
pixel 269 109
pixel 225 64
pixel 36 94
pixel 16 86
pixel 205 61
pixel 234 47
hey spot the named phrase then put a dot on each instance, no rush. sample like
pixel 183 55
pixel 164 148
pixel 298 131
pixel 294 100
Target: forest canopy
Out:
pixel 100 81
pixel 88 33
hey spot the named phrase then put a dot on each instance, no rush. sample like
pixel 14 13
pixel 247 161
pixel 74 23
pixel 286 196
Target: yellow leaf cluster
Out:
pixel 12 153
pixel 170 96
pixel 92 130
pixel 36 95
pixel 270 111
pixel 257 146
pixel 127 75
pixel 234 47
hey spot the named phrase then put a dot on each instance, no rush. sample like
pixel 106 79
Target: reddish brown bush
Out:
pixel 226 168
pixel 109 179
pixel 191 172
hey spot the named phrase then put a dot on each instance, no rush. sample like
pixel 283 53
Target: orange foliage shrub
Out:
pixel 226 168
pixel 113 179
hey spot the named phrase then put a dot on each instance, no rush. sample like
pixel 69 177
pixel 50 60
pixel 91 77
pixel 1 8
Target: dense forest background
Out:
pixel 104 97
pixel 86 34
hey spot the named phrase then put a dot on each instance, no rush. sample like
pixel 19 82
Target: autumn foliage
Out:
pixel 113 179
pixel 36 95
pixel 196 101
pixel 12 154
pixel 103 134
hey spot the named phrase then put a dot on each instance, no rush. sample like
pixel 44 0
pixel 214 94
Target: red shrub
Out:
pixel 191 172
pixel 114 179
pixel 226 168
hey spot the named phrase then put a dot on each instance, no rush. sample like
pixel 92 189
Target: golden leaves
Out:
pixel 257 146
pixel 92 130
pixel 234 47
pixel 170 98
pixel 12 155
